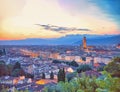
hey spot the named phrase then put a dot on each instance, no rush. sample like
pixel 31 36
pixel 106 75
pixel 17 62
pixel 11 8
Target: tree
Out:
pixel 114 67
pixel 2 62
pixel 84 58
pixel 83 68
pixel 5 69
pixel 51 75
pixel 28 75
pixel 17 66
pixel 4 51
pixel 101 68
pixel 16 73
pixel 17 70
pixel 9 69
pixel 108 83
pixel 61 75
pixel 88 84
pixel 56 61
pixel 73 63
pixel 2 68
pixel 1 53
pixel 22 72
pixel 70 76
pixel 43 75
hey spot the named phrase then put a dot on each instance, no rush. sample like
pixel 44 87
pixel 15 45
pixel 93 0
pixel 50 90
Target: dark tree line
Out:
pixel 73 63
pixel 13 70
pixel 83 68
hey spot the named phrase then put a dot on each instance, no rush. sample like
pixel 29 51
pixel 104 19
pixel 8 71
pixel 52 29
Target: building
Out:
pixel 54 55
pixel 85 47
pixel 84 43
pixel 8 80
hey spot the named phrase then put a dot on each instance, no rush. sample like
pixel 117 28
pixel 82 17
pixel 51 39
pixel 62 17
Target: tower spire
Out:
pixel 84 43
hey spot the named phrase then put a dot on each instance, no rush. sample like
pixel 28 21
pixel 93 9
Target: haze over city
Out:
pixel 21 19
pixel 59 45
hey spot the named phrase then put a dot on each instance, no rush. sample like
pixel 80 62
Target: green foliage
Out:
pixel 108 83
pixel 83 68
pixel 17 70
pixel 61 75
pixel 17 66
pixel 46 89
pixel 13 70
pixel 3 52
pixel 100 68
pixel 2 68
pixel 26 90
pixel 73 63
pixel 84 58
pixel 114 67
pixel 28 75
pixel 56 61
pixel 51 75
pixel 70 76
pixel 5 69
pixel 9 69
pixel 49 89
pixel 87 84
pixel 2 62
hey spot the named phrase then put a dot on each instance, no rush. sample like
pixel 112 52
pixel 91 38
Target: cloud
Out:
pixel 79 7
pixel 61 29
pixel 109 7
pixel 107 10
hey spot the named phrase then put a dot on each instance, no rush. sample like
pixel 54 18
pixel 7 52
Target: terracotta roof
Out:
pixel 96 65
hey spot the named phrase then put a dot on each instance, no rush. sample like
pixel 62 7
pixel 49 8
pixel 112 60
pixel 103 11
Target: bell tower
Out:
pixel 84 43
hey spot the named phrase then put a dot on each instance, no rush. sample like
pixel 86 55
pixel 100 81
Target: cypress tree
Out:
pixel 61 75
pixel 43 75
pixel 4 51
pixel 51 75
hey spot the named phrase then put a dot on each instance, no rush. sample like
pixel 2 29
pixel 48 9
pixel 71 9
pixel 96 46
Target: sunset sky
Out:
pixel 20 19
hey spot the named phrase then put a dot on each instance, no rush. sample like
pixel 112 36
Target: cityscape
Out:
pixel 59 46
pixel 35 61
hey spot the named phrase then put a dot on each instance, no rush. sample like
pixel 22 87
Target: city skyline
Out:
pixel 22 19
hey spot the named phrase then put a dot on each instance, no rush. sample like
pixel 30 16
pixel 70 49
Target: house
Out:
pixel 8 80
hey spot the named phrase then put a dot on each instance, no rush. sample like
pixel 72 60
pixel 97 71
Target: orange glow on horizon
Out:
pixel 18 19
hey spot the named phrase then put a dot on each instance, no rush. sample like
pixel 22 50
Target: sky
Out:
pixel 21 19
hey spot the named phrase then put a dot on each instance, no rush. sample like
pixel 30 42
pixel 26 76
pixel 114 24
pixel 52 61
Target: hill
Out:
pixel 66 40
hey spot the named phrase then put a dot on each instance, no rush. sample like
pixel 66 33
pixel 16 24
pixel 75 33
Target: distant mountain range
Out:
pixel 104 40
pixel 67 40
